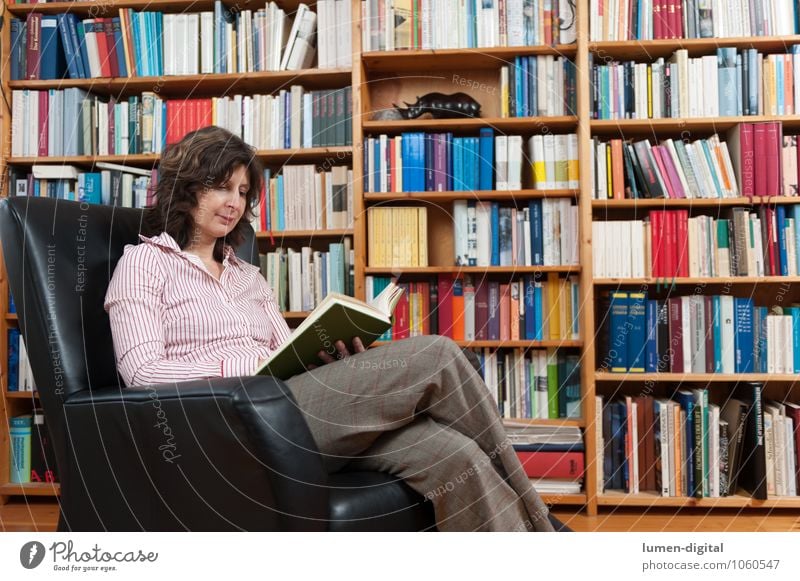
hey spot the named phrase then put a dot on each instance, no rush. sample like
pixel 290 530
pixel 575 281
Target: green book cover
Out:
pixel 552 384
pixel 336 317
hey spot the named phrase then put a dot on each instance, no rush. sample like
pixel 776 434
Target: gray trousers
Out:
pixel 419 410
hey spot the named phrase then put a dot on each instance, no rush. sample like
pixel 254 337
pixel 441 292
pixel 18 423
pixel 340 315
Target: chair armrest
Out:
pixel 218 454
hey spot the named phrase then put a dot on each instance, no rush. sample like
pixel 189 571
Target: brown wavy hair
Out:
pixel 203 159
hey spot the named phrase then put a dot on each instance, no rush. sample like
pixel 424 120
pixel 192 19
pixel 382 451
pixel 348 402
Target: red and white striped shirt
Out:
pixel 171 320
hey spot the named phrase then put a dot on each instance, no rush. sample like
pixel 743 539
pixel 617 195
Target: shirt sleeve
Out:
pixel 133 304
pixel 280 330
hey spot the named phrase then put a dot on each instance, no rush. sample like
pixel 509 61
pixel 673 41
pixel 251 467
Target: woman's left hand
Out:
pixel 341 351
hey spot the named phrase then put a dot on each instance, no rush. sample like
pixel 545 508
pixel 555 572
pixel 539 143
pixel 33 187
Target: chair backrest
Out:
pixel 60 257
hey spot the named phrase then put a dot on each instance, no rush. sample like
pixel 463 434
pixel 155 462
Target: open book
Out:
pixel 337 317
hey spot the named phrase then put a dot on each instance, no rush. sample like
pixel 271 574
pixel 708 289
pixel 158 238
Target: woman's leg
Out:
pixel 350 403
pixel 451 471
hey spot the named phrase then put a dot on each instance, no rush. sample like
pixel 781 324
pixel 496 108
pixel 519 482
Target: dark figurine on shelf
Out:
pixel 442 106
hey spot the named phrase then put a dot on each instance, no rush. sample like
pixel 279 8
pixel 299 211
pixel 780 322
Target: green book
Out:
pixel 552 384
pixel 336 317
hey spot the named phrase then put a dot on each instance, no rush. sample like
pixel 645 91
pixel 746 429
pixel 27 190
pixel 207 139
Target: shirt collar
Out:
pixel 164 240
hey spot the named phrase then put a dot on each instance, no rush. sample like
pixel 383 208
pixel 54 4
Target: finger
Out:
pixel 342 348
pixel 324 356
pixel 312 367
pixel 358 345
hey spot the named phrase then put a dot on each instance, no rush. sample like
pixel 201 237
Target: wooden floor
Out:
pixel 43 516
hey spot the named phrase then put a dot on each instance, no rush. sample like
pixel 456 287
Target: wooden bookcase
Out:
pixel 380 78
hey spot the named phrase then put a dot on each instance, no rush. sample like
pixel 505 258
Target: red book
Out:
pixel 760 151
pixel 43 123
pixel 481 311
pixel 446 305
pixel 682 242
pixel 113 63
pixel 675 335
pixel 679 19
pixel 400 328
pixel 102 47
pixel 657 243
pixel 33 48
pixel 658 26
pixel 505 312
pixel 425 289
pixel 546 464
pixel 670 253
pixel 662 169
pixel 774 144
pixel 171 119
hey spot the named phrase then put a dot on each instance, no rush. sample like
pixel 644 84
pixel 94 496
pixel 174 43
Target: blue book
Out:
pixel 780 218
pixel 18 48
pixel 474 143
pixel 796 217
pixel 618 332
pixel 651 348
pixel 739 94
pixel 486 159
pixel 533 101
pixel 686 400
pixel 753 80
pixel 159 17
pixel 70 49
pixel 92 189
pixel 12 307
pixel 717 334
pixel 762 338
pixel 378 284
pixel 80 31
pixel 537 243
pixel 13 359
pixel 530 309
pixel 780 89
pixel 495 222
pixel 53 63
pixel 726 79
pixel 637 332
pixel 743 334
pixel 458 171
pixel 20 449
pixel 281 209
pixel 120 46
pixel 538 308
pixel 794 312
pixel 377 167
pixel 336 250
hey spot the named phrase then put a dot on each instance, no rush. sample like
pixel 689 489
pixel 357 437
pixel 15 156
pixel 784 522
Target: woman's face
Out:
pixel 220 208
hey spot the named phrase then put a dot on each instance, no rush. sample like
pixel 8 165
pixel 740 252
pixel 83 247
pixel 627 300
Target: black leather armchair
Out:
pixel 212 455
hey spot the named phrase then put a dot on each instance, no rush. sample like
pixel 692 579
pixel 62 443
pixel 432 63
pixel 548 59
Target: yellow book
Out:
pixel 649 91
pixel 423 236
pixel 504 109
pixel 573 171
pixel 412 253
pixel 554 297
pixel 678 460
pixel 371 237
pixel 566 310
pixel 609 173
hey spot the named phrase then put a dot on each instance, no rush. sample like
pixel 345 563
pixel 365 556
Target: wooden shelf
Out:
pixel 563 499
pixel 31 489
pixel 151 159
pixel 694 377
pixel 556 343
pixel 702 125
pixel 21 394
pixel 651 499
pixel 303 234
pixel 470 269
pixel 470 125
pixel 726 280
pixel 295 314
pixel 574 423
pixel 469 195
pixel 198 86
pixel 692 203
pixel 91 7
pixel 653 49
pixel 449 59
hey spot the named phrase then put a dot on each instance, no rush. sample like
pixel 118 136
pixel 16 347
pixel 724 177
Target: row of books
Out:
pixel 615 20
pixel 729 83
pixel 535 383
pixel 668 243
pixel 31 456
pixel 420 162
pixel 488 234
pixel 696 334
pixel 301 279
pixel 113 185
pixel 398 236
pixel 73 122
pixel 146 43
pixel 436 24
pixel 538 86
pixel 469 308
pixel 302 198
pixel 552 456
pixel 20 374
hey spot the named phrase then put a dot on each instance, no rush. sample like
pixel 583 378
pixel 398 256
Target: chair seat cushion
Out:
pixel 375 501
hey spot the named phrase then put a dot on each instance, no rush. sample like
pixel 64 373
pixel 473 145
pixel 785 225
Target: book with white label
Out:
pixel 337 317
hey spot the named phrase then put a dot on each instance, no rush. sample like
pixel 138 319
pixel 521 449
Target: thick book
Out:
pixel 336 317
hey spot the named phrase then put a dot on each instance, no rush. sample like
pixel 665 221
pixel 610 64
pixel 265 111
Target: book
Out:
pixel 20 449
pixel 337 317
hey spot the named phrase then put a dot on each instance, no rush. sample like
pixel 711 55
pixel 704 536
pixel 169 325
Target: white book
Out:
pixel 514 162
pixel 483 215
pixel 501 162
pixel 304 46
pixel 666 457
pixel 460 232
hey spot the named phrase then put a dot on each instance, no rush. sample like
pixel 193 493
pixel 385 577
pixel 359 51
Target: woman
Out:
pixel 182 307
